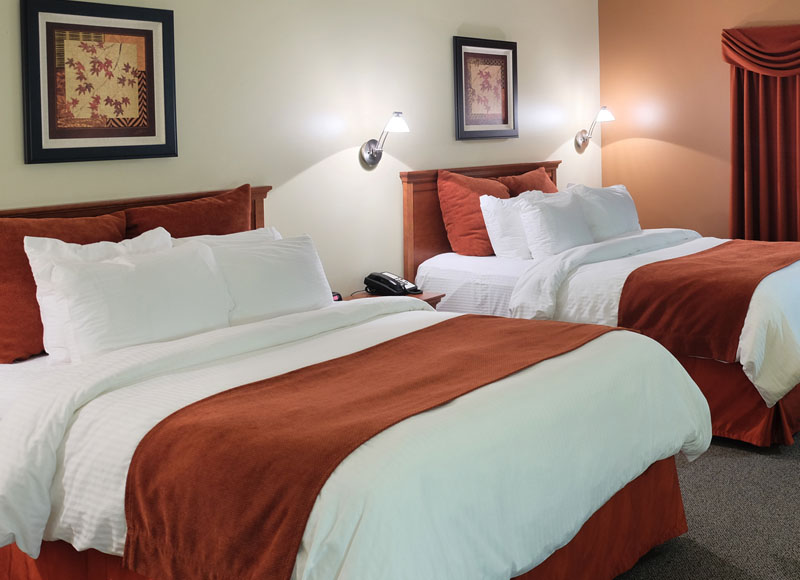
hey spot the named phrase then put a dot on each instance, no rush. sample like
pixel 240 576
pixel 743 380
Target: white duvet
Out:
pixel 584 284
pixel 13 378
pixel 484 487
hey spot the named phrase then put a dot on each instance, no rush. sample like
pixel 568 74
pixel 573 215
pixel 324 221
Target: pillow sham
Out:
pixel 504 225
pixel 267 234
pixel 459 199
pixel 554 223
pixel 536 180
pixel 610 211
pixel 271 279
pixel 225 213
pixel 143 298
pixel 20 322
pixel 44 253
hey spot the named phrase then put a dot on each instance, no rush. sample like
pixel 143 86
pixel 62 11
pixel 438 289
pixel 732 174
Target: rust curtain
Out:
pixel 765 131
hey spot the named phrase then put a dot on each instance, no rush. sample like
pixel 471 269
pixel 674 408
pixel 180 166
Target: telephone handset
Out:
pixel 387 284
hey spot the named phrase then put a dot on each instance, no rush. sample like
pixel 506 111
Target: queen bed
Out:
pixel 752 397
pixel 567 446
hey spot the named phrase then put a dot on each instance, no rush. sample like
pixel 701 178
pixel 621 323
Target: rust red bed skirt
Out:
pixel 737 410
pixel 646 512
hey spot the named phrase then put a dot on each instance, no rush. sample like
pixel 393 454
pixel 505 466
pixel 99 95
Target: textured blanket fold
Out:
pixel 696 305
pixel 224 487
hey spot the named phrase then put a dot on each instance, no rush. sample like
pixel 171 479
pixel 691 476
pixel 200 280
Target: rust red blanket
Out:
pixel 223 488
pixel 696 305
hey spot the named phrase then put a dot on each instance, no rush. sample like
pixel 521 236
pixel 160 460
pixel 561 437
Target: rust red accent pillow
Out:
pixel 226 213
pixel 459 198
pixel 20 324
pixel 536 179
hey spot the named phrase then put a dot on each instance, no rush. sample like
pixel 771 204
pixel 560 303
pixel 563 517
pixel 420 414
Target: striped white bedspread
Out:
pixel 484 487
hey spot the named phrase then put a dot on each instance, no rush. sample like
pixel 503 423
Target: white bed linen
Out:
pixel 413 502
pixel 476 284
pixel 14 377
pixel 584 285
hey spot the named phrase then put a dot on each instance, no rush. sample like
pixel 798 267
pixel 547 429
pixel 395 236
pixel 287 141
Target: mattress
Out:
pixel 476 284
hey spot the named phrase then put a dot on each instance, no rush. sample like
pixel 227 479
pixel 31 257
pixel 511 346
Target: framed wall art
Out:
pixel 485 87
pixel 98 81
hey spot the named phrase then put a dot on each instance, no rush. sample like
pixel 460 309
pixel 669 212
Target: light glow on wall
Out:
pixel 649 115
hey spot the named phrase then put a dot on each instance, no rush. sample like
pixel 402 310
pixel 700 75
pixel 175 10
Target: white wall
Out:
pixel 284 93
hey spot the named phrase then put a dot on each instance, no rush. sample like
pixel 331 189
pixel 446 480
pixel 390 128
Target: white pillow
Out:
pixel 609 211
pixel 504 226
pixel 44 253
pixel 274 278
pixel 142 298
pixel 266 234
pixel 554 223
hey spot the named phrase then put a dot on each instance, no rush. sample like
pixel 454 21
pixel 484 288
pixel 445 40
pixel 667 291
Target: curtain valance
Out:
pixel 766 50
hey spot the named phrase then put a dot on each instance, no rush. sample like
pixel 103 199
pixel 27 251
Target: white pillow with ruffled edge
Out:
pixel 144 298
pixel 610 211
pixel 44 253
pixel 554 223
pixel 504 226
pixel 271 279
pixel 265 234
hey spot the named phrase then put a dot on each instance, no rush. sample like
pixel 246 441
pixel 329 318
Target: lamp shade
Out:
pixel 396 124
pixel 604 115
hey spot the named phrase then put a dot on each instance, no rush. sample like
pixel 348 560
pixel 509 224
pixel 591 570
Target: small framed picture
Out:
pixel 98 81
pixel 485 87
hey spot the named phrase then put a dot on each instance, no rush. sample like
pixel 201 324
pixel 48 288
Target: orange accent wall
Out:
pixel 662 75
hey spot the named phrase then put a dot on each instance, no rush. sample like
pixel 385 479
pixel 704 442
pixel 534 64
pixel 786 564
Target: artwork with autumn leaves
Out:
pixel 485 85
pixel 486 88
pixel 100 82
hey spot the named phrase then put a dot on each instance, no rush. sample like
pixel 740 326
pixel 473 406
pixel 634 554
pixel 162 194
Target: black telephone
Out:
pixel 387 284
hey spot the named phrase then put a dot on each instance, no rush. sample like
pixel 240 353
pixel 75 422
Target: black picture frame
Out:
pixel 98 81
pixel 482 113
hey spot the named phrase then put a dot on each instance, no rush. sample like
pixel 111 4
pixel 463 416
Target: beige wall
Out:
pixel 284 93
pixel 663 76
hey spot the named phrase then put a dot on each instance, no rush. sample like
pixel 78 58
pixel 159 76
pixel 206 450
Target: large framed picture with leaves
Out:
pixel 98 81
pixel 485 88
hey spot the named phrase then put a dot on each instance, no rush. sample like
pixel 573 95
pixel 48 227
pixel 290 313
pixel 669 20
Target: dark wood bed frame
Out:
pixel 94 208
pixel 737 410
pixel 424 235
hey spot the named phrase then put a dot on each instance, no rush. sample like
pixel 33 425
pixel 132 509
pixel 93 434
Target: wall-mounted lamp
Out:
pixel 372 150
pixel 582 137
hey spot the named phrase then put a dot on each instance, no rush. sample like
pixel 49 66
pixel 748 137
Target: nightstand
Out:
pixel 431 298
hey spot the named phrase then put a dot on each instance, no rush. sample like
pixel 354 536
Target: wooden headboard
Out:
pixel 424 235
pixel 94 208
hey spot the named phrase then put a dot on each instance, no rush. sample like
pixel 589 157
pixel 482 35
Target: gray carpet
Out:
pixel 743 509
